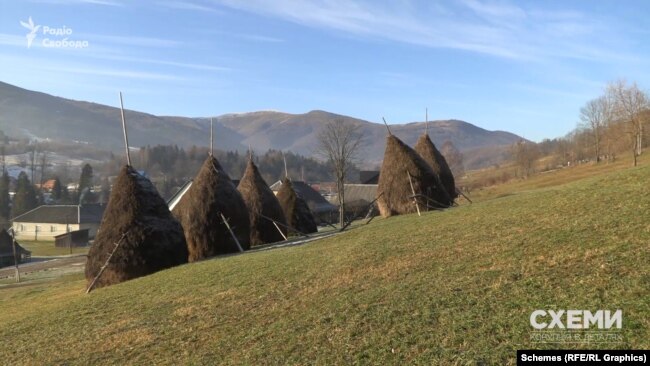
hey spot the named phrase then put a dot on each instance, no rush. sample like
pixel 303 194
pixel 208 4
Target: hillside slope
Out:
pixel 25 113
pixel 450 287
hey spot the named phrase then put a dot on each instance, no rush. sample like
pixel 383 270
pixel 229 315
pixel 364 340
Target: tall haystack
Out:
pixel 137 219
pixel 394 188
pixel 298 214
pixel 211 195
pixel 428 151
pixel 261 201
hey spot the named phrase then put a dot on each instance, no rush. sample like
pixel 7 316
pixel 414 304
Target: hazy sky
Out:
pixel 524 66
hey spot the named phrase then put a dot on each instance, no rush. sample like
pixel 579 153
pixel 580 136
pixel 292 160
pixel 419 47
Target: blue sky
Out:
pixel 525 66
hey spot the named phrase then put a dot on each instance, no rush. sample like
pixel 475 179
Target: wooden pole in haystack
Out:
pixel 225 221
pixel 279 230
pixel 426 121
pixel 286 171
pixel 283 225
pixel 415 200
pixel 384 119
pixel 101 270
pixel 126 138
pixel 463 194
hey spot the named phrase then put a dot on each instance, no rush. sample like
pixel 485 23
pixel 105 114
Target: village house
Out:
pixel 319 206
pixel 47 221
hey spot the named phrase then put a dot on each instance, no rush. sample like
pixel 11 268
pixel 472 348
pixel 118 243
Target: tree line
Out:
pixel 610 126
pixel 28 196
pixel 170 166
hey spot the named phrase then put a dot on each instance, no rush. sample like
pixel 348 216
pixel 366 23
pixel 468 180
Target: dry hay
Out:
pixel 428 151
pixel 261 201
pixel 296 211
pixel 212 193
pixel 149 237
pixel 394 188
pixel 6 243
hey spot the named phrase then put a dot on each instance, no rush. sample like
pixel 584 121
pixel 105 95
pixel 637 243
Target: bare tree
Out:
pixel 43 166
pixel 629 104
pixel 339 143
pixel 525 154
pixel 595 117
pixel 3 153
pixel 32 158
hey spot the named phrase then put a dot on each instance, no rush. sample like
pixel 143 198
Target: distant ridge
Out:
pixel 25 113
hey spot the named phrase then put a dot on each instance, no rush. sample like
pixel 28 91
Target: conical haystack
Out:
pixel 149 237
pixel 298 214
pixel 394 189
pixel 212 193
pixel 260 200
pixel 428 151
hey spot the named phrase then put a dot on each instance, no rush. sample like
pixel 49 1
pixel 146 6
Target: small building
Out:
pixel 357 198
pixel 47 221
pixel 7 251
pixel 319 206
pixel 369 177
pixel 72 239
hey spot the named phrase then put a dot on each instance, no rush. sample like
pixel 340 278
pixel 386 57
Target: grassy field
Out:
pixel 47 249
pixel 451 287
pixel 545 179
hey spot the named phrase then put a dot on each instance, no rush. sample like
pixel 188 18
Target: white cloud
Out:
pixel 131 40
pixel 80 2
pixel 185 65
pixel 259 38
pixel 191 6
pixel 500 29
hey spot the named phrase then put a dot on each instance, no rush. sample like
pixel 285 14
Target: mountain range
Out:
pixel 36 115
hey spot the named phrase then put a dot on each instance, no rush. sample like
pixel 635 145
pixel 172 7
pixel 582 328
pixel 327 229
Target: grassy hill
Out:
pixel 452 287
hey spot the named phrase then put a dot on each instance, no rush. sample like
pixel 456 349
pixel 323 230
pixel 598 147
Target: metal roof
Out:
pixel 62 214
pixel 316 202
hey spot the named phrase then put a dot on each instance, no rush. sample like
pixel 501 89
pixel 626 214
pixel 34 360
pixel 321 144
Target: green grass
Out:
pixel 47 249
pixel 451 287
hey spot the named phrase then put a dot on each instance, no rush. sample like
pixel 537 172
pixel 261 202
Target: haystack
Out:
pixel 211 195
pixel 394 188
pixel 428 151
pixel 298 214
pixel 260 202
pixel 149 237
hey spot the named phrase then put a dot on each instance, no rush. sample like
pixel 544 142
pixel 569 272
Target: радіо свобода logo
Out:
pixel 32 30
pixel 52 37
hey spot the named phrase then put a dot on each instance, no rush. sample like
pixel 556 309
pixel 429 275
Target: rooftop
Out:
pixel 61 214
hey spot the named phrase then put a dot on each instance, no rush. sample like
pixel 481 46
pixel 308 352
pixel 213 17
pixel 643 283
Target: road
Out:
pixel 43 264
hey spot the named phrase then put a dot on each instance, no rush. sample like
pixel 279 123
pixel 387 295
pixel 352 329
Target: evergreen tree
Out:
pixel 25 198
pixel 86 184
pixel 57 190
pixel 65 195
pixel 4 197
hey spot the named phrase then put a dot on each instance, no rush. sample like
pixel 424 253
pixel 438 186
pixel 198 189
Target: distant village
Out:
pixel 69 214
